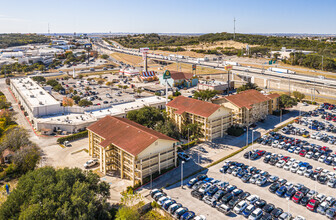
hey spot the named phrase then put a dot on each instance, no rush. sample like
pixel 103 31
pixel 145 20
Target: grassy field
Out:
pixel 308 97
pixel 188 69
pixel 129 59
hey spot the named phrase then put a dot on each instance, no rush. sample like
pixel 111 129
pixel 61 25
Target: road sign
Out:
pixel 228 67
pixel 271 62
pixel 194 67
pixel 166 75
pixel 144 49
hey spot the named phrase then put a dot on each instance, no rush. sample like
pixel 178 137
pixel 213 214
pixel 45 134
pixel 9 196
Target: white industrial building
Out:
pixel 285 53
pixel 214 85
pixel 47 115
pixel 34 99
pixel 74 122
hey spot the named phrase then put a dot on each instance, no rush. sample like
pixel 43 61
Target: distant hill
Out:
pixel 11 40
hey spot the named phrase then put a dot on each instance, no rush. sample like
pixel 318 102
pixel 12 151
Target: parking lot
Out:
pixel 89 88
pixel 183 195
pixel 72 156
pixel 200 208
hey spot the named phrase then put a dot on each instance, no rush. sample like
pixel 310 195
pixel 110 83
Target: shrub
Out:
pixel 235 131
pixel 73 137
pixel 190 144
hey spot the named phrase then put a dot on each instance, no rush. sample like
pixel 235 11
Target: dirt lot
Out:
pixel 128 59
pixel 188 68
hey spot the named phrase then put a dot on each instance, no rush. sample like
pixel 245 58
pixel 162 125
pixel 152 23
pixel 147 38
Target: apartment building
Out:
pixel 249 106
pixel 214 120
pixel 129 149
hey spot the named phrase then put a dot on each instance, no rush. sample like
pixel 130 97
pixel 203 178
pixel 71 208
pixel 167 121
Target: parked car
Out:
pixel 183 156
pixel 90 163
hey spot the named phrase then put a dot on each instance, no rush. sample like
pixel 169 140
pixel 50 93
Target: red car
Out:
pixel 303 153
pixel 297 197
pixel 325 148
pixel 261 152
pixel 312 204
pixel 286 158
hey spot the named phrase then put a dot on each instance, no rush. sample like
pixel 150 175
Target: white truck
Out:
pixel 231 63
pixel 279 70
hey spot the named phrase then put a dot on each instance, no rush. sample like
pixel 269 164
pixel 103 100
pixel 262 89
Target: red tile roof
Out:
pixel 126 134
pixel 180 75
pixel 247 98
pixel 193 106
pixel 7 152
pixel 273 95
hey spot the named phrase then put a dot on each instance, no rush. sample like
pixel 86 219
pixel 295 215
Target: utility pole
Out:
pixel 234 28
pixel 48 29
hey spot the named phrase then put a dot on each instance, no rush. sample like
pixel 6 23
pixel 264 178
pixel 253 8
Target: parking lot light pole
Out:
pixel 288 203
pixel 182 174
pixel 198 153
pixel 150 170
pixel 252 138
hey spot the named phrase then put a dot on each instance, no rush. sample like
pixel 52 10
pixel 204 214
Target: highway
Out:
pixel 237 70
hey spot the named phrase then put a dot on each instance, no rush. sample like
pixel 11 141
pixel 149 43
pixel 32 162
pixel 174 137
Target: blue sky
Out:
pixel 169 16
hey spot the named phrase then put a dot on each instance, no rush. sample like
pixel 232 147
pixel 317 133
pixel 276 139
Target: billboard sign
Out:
pixel 166 75
pixel 228 67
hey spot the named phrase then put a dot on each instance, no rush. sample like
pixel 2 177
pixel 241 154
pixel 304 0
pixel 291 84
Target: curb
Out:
pixel 38 135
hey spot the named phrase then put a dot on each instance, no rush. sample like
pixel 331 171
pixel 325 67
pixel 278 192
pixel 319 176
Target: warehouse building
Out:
pixel 131 150
pixel 249 106
pixel 75 119
pixel 33 98
pixel 214 85
pixel 213 119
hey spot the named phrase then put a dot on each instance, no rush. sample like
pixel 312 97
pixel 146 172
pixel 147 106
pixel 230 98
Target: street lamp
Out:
pixel 150 170
pixel 188 135
pixel 252 138
pixel 182 174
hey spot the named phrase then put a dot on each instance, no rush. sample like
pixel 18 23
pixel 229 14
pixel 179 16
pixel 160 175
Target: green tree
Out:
pixel 14 139
pixel 168 128
pixel 52 82
pixel 104 56
pixel 26 158
pixel 39 79
pixel 76 98
pixel 131 202
pixel 194 130
pixel 58 87
pixel 128 213
pixel 205 95
pixel 66 193
pixel 248 86
pixel 276 56
pixel 84 102
pixel 146 116
pixel 299 95
pixel 286 101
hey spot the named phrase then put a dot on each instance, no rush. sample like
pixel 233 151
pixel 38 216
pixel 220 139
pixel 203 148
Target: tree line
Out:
pixel 12 40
